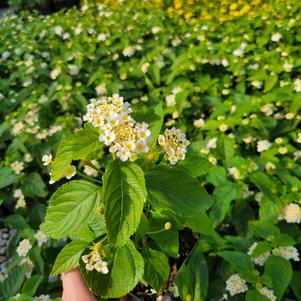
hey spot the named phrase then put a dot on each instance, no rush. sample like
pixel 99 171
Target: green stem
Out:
pixel 88 177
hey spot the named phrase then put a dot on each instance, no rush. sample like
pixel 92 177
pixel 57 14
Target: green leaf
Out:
pixel 168 242
pixel 295 284
pixel 72 205
pixel 176 190
pixel 263 182
pixel 16 221
pixel 201 224
pixel 280 272
pixel 78 146
pixel 192 278
pixel 264 229
pixel 12 284
pixel 261 248
pixel 240 262
pixel 156 268
pixel 124 195
pixel 154 72
pixel 225 148
pixel 254 295
pixel 224 194
pixel 270 82
pixel 153 116
pixel 33 185
pixel 36 258
pixel 69 257
pixel 7 177
pixel 125 272
pixel 31 285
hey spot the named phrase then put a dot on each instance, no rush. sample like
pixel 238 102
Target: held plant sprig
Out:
pixel 128 197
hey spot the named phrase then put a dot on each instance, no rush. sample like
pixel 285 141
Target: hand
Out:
pixel 74 287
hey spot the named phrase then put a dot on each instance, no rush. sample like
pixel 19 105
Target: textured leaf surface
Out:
pixel 156 269
pixel 70 206
pixel 75 147
pixel 69 257
pixel 192 278
pixel 124 194
pixel 176 190
pixel 125 272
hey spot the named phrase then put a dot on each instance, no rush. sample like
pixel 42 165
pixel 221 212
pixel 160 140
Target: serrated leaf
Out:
pixel 31 285
pixel 156 268
pixel 124 195
pixel 280 272
pixel 72 205
pixel 33 185
pixel 75 147
pixel 192 278
pixel 11 285
pixel 7 177
pixel 240 262
pixel 69 257
pixel 124 274
pixel 176 190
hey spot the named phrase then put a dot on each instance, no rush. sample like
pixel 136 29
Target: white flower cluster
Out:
pixel 24 247
pixel 267 293
pixel 291 213
pixel 236 285
pixel 174 143
pixel 41 237
pixel 17 167
pixel 18 194
pixel 93 260
pixel 119 130
pixel 288 252
pixel 42 298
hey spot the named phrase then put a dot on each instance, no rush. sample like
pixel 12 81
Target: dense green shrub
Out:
pixel 225 220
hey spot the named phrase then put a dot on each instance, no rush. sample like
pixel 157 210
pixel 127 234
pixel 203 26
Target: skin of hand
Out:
pixel 75 288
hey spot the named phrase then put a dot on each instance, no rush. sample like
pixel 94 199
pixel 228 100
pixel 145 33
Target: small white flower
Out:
pixel 176 90
pixel 235 173
pixel 212 143
pixel 156 29
pixel 42 298
pixel 291 213
pixel 24 247
pixel 297 85
pixel 199 123
pixel 55 73
pixel 70 171
pixel 101 266
pixel 17 167
pixel 276 37
pixel 101 89
pixel 102 37
pixel 47 159
pixel 170 100
pixel 128 51
pixel 58 30
pixel 144 67
pixel 73 69
pixel 263 145
pixel 288 253
pixel 41 237
pixel 236 285
pixel 268 293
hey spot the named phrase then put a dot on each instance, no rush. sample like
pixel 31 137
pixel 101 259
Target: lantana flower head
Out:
pixel 174 143
pixel 119 130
